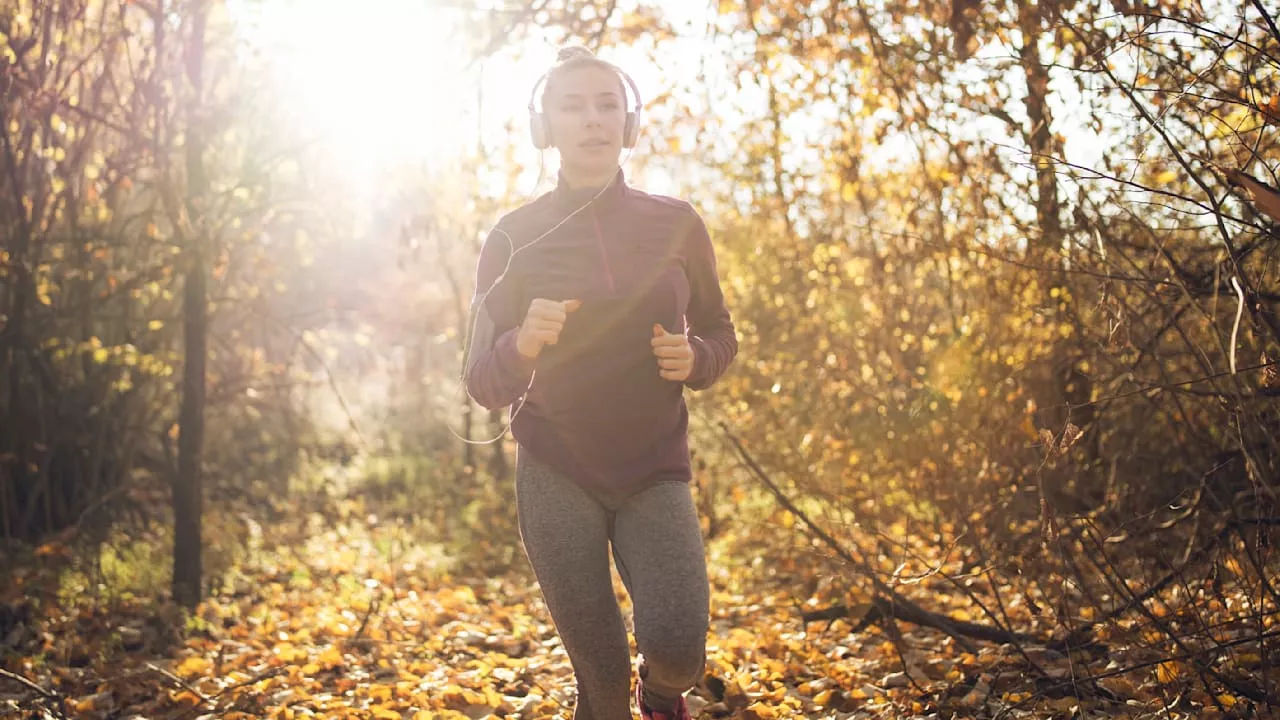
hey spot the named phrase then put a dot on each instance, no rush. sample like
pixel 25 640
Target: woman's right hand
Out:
pixel 542 325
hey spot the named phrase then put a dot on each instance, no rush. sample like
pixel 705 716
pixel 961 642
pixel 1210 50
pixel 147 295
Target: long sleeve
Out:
pixel 711 330
pixel 495 372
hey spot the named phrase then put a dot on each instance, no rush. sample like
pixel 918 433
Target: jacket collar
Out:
pixel 569 197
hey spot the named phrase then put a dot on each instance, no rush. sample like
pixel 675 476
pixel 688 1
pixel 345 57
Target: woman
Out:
pixel 596 305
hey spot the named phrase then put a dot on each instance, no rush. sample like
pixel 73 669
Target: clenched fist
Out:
pixel 542 325
pixel 674 353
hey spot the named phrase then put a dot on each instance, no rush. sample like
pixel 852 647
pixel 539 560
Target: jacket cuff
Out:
pixel 516 368
pixel 697 377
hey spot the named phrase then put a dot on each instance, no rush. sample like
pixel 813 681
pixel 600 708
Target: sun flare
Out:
pixel 377 85
pixel 395 84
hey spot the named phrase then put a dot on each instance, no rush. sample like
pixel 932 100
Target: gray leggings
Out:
pixel 657 546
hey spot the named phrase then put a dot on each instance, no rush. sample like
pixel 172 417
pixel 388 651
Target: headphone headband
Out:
pixel 635 91
pixel 541 132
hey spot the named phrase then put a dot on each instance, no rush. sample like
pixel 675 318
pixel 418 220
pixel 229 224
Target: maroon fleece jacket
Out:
pixel 596 408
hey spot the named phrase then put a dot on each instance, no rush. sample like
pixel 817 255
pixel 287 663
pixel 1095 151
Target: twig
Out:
pixel 332 379
pixel 604 23
pixel 213 700
pixel 1082 631
pixel 30 684
pixel 1174 385
pixel 892 603
pixel 56 701
pixel 180 682
pixel 495 42
pixel 373 607
pixel 1275 32
pixel 1173 658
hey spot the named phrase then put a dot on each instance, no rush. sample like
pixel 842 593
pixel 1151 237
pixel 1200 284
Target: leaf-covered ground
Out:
pixel 357 620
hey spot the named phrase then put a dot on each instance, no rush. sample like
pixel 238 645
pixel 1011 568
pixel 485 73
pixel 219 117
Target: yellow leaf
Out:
pixel 330 658
pixel 1167 672
pixel 85 704
pixel 188 698
pixel 194 665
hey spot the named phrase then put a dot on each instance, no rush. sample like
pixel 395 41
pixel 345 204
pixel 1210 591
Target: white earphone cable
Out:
pixel 478 309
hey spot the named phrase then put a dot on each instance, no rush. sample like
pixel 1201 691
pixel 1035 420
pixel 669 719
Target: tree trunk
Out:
pixel 20 288
pixel 1066 392
pixel 187 492
pixel 1040 138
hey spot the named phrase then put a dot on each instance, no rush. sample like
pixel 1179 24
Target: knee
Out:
pixel 674 664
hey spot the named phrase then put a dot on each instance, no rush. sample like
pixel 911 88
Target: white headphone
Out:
pixel 540 130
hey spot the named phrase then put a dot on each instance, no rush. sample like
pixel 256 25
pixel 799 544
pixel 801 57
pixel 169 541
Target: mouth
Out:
pixel 594 144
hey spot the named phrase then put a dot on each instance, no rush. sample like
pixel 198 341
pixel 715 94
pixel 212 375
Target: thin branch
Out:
pixel 1233 255
pixel 498 39
pixel 604 23
pixel 29 684
pixel 1137 600
pixel 1267 17
pixel 56 701
pixel 1178 384
pixel 180 682
pixel 892 603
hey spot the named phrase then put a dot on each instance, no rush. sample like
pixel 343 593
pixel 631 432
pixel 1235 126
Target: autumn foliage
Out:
pixel 1001 439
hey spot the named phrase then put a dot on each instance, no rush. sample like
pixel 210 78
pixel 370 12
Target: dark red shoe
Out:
pixel 679 712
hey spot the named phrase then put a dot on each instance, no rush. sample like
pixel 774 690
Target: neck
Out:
pixel 588 180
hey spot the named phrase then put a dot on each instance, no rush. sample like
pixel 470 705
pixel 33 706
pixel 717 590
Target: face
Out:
pixel 586 112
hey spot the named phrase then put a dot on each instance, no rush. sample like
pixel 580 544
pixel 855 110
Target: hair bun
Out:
pixel 573 51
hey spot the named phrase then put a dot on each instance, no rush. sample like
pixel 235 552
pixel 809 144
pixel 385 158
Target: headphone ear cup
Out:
pixel 631 131
pixel 538 131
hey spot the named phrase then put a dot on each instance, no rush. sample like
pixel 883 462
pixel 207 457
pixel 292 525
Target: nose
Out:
pixel 591 117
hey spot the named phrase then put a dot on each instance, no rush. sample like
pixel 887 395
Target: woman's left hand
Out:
pixel 674 353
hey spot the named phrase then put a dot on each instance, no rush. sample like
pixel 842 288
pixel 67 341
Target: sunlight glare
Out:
pixel 378 85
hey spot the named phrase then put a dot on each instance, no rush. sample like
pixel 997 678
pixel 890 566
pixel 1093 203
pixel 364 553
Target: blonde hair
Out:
pixel 575 57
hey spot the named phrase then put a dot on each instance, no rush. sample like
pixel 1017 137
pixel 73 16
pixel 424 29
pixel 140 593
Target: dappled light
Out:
pixel 989 426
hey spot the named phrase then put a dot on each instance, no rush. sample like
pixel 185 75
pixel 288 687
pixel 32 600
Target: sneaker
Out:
pixel 679 712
